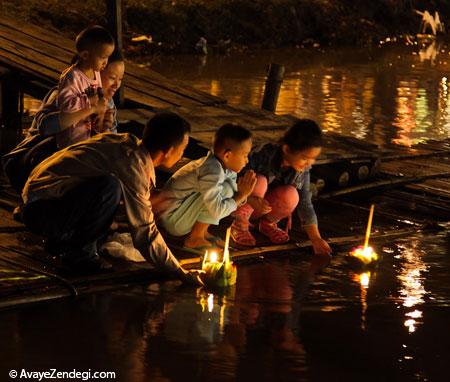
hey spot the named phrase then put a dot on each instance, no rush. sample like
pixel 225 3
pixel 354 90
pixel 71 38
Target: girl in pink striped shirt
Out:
pixel 79 84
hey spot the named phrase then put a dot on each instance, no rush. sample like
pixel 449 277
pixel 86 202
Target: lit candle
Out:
pixel 222 273
pixel 366 253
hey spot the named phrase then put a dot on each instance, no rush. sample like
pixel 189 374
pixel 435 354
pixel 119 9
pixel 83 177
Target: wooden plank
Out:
pixel 426 200
pixel 43 48
pixel 150 100
pixel 31 55
pixel 440 189
pixel 414 167
pixel 41 34
pixel 156 79
pixel 27 61
pixel 430 209
pixel 422 155
pixel 383 183
pixel 148 89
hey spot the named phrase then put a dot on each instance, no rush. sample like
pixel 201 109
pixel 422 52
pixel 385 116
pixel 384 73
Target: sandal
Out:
pixel 242 237
pixel 275 234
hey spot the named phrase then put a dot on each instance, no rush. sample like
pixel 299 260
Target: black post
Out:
pixel 11 105
pixel 114 15
pixel 273 84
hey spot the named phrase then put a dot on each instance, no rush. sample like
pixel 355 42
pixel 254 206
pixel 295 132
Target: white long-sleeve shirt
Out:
pixel 205 176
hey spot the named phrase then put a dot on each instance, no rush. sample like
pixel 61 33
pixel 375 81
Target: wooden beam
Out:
pixel 114 15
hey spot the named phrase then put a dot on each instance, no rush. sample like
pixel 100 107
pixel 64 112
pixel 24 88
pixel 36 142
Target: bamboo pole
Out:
pixel 282 248
pixel 73 290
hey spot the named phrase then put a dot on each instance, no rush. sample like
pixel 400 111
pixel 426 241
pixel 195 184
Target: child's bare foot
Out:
pixel 215 240
pixel 197 242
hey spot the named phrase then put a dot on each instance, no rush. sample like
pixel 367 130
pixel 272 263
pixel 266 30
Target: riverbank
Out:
pixel 176 27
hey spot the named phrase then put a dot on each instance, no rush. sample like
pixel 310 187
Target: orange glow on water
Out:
pixel 366 255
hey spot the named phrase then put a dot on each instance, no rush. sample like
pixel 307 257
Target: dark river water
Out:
pixel 385 94
pixel 287 320
pixel 296 319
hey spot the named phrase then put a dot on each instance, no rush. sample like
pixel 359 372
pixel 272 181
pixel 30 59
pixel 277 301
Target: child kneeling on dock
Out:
pixel 205 190
pixel 282 185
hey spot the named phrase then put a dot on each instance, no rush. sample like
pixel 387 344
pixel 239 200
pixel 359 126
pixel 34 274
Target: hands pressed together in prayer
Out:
pixel 103 117
pixel 245 186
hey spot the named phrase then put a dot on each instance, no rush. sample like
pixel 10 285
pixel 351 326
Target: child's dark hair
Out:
pixel 116 56
pixel 303 134
pixel 163 131
pixel 92 37
pixel 230 135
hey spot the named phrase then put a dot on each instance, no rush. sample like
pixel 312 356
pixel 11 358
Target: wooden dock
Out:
pixel 411 186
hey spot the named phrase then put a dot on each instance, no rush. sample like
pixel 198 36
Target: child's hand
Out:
pixel 98 116
pixel 108 121
pixel 93 100
pixel 321 247
pixel 100 107
pixel 260 205
pixel 246 183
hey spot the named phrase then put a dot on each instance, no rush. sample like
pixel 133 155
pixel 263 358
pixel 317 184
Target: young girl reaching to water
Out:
pixel 282 186
pixel 78 89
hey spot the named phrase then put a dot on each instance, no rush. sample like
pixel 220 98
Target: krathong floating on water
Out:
pixel 219 273
pixel 366 254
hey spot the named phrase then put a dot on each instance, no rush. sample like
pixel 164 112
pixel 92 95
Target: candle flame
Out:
pixel 213 257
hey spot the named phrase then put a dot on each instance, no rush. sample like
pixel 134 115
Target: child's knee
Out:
pixel 286 195
pixel 261 186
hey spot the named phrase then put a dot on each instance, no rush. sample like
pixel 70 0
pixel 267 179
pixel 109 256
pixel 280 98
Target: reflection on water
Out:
pixel 289 320
pixel 364 279
pixel 390 94
pixel 412 282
